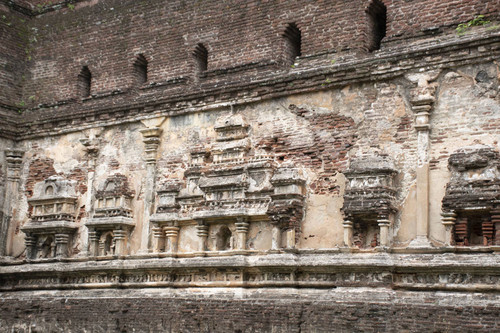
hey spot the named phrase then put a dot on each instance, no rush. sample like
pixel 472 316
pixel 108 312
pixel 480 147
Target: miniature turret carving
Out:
pixel 472 200
pixel 369 201
pixel 112 222
pixel 50 230
pixel 226 188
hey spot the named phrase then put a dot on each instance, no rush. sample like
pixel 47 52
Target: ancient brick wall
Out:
pixel 407 18
pixel 15 52
pixel 177 28
pixel 285 177
pixel 247 311
pixel 251 35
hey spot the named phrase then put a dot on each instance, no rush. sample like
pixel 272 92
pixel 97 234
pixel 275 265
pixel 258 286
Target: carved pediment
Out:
pixel 226 182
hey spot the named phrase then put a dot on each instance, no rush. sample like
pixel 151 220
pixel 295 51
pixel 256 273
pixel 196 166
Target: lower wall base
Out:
pixel 248 310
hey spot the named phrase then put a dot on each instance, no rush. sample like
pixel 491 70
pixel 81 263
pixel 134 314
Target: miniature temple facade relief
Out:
pixel 226 190
pixel 471 206
pixel 51 228
pixel 112 222
pixel 312 172
pixel 369 202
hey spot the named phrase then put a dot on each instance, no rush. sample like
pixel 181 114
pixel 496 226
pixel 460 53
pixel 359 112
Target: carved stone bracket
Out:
pixel 151 138
pixel 422 98
pixel 91 144
pixel 14 159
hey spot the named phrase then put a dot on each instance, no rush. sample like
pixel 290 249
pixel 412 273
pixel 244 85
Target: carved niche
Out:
pixel 112 222
pixel 471 205
pixel 226 188
pixel 50 230
pixel 369 201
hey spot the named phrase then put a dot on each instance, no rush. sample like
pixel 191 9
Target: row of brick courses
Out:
pixel 407 18
pixel 14 50
pixel 108 36
pixel 220 314
pixel 166 34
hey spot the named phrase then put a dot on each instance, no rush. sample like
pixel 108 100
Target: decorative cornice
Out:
pixel 397 271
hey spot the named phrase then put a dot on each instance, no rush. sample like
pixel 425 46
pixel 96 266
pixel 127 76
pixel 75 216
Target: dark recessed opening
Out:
pixel 200 54
pixel 293 40
pixel 84 82
pixel 141 69
pixel 223 239
pixel 377 24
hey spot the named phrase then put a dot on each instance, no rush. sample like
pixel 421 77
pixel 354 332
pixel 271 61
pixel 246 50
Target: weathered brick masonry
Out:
pixel 269 310
pixel 241 166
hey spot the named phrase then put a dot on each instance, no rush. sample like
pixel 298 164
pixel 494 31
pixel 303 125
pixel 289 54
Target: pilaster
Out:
pixel 158 241
pixel 202 232
pixel 62 242
pixel 151 139
pixel 276 236
pixel 172 235
pixel 241 231
pixel 422 102
pixel 384 224
pixel 91 149
pixel 448 220
pixel 348 232
pixel 495 219
pixel 93 243
pixel 14 159
pixel 119 237
pixel 30 243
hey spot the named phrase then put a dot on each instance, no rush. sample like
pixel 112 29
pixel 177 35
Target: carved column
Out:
pixel 202 231
pixel 172 234
pixel 348 231
pixel 422 101
pixel 120 236
pixel 290 239
pixel 487 228
pixel 276 236
pixel 151 138
pixel 101 251
pixel 14 159
pixel 461 231
pixel 495 219
pixel 93 243
pixel 62 242
pixel 158 239
pixel 241 231
pixel 30 242
pixel 448 220
pixel 383 224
